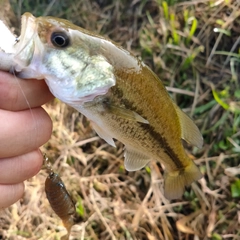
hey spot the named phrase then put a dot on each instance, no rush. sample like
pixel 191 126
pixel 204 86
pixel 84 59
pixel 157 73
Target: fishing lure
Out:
pixel 59 198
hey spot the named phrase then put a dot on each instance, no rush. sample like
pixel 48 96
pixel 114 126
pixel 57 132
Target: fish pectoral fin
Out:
pixel 190 132
pixel 102 134
pixel 134 160
pixel 127 114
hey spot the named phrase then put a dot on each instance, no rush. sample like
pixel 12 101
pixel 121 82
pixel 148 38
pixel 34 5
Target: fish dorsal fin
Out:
pixel 190 132
pixel 134 160
pixel 102 134
pixel 127 114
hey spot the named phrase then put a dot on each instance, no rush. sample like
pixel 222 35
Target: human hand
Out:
pixel 22 132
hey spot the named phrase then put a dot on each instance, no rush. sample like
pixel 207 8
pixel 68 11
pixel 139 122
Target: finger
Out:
pixel 16 93
pixel 10 194
pixel 18 169
pixel 23 131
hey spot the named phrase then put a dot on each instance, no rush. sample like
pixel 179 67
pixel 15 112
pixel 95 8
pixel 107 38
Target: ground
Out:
pixel 193 47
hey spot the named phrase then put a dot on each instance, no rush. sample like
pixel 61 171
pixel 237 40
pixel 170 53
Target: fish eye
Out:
pixel 60 39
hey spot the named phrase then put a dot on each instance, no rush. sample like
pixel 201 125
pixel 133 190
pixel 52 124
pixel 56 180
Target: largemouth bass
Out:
pixel 116 91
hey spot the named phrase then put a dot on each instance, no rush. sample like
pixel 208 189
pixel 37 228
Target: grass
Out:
pixel 193 47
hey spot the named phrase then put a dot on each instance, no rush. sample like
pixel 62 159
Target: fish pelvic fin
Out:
pixel 102 134
pixel 175 182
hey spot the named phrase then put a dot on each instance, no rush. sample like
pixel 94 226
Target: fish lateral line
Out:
pixel 165 146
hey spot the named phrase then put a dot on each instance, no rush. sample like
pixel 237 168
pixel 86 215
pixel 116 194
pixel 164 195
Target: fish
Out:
pixel 121 96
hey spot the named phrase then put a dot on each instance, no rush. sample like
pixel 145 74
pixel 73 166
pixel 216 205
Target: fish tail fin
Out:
pixel 176 181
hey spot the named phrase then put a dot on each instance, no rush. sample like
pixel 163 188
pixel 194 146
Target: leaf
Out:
pixel 194 27
pixel 165 10
pixel 237 93
pixel 79 207
pixel 219 100
pixel 216 236
pixel 203 108
pixel 235 189
pixel 148 169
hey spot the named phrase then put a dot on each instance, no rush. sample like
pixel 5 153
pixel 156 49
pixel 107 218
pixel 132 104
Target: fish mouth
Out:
pixel 25 43
pixel 28 23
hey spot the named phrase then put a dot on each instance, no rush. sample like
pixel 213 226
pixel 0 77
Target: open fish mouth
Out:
pixel 25 42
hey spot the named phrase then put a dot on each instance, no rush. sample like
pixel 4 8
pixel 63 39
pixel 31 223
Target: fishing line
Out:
pixel 24 96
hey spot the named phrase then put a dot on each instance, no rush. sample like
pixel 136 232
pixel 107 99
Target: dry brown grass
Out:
pixel 121 205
